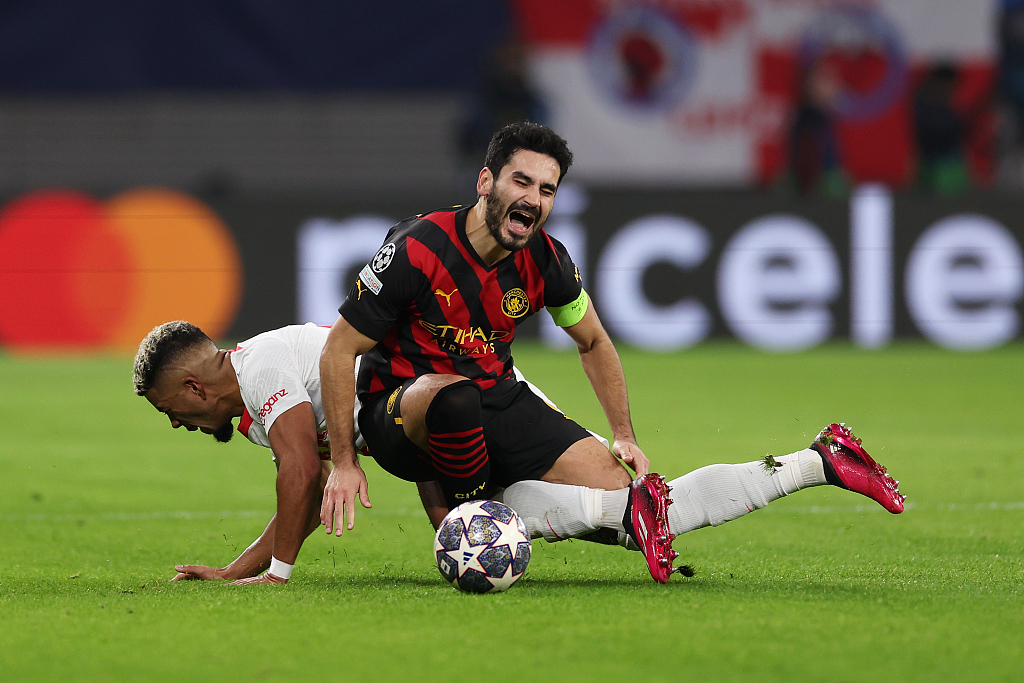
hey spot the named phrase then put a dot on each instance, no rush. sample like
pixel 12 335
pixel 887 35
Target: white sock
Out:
pixel 717 494
pixel 708 496
pixel 557 511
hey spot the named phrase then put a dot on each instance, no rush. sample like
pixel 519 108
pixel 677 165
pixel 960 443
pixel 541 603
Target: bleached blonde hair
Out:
pixel 164 345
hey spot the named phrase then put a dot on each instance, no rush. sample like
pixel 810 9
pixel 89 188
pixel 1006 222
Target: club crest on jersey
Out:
pixel 383 258
pixel 515 304
pixel 370 280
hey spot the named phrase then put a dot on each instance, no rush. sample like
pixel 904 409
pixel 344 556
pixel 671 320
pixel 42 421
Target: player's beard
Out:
pixel 494 217
pixel 224 433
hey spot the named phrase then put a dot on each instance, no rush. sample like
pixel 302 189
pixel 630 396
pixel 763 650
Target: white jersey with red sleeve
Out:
pixel 278 370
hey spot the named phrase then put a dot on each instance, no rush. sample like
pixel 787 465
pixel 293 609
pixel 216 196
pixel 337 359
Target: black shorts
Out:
pixel 524 436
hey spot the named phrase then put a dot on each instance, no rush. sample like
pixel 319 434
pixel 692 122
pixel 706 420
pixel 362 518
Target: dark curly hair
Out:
pixel 530 136
pixel 162 346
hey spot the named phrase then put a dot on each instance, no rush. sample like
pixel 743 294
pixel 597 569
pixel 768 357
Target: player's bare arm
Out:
pixel 604 370
pixel 255 559
pixel 293 440
pixel 337 371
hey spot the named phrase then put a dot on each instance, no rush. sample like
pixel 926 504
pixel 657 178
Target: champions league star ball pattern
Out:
pixel 482 547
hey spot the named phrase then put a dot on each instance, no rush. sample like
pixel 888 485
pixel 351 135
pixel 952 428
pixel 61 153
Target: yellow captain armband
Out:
pixel 572 313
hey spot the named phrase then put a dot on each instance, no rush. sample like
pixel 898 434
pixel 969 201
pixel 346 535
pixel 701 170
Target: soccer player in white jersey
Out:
pixel 272 382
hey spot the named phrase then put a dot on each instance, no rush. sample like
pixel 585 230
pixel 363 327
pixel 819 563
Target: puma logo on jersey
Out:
pixel 447 297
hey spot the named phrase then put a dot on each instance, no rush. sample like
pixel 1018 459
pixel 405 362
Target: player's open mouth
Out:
pixel 520 222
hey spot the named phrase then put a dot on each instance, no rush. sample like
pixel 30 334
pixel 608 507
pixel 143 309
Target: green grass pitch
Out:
pixel 99 498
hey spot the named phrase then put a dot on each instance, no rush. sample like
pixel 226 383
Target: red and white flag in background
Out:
pixel 700 92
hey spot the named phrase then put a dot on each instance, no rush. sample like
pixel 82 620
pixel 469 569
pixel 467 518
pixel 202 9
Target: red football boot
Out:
pixel 848 466
pixel 647 524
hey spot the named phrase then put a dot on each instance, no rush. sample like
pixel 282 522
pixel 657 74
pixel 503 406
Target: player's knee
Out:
pixel 455 406
pixel 456 444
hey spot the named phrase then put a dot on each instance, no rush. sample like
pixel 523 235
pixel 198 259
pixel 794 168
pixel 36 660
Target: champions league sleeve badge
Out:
pixel 383 258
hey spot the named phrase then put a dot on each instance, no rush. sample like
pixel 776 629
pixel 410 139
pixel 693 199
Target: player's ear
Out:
pixel 484 182
pixel 195 386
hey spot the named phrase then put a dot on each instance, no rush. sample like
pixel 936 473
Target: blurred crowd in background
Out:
pixel 812 96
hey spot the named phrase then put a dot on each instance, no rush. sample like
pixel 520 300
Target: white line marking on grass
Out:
pixel 138 516
pixel 870 507
pixel 403 512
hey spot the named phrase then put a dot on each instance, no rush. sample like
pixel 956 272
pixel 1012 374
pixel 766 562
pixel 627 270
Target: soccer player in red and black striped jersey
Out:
pixel 435 313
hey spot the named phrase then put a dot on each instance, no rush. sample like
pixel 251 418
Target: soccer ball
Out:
pixel 482 547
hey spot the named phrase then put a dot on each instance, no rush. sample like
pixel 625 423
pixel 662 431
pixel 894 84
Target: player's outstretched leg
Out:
pixel 848 466
pixel 646 522
pixel 716 494
pixel 708 496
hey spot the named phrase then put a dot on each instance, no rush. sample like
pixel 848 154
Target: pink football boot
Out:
pixel 848 466
pixel 647 518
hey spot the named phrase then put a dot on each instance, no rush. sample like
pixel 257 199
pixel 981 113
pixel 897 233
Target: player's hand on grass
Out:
pixel 264 578
pixel 198 572
pixel 630 453
pixel 344 484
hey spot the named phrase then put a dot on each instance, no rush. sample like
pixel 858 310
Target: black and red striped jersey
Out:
pixel 434 306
